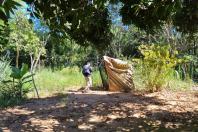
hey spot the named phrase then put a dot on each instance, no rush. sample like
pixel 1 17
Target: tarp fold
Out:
pixel 120 74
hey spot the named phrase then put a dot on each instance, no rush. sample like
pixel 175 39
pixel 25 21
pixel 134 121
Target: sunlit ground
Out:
pixel 105 111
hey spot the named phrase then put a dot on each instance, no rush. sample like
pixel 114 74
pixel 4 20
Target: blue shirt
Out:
pixel 86 70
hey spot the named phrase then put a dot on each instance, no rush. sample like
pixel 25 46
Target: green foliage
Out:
pixel 87 24
pixel 125 42
pixel 23 38
pixel 119 41
pixel 5 91
pixel 9 95
pixel 5 69
pixel 22 34
pixel 187 70
pixel 186 18
pixel 19 80
pixel 149 15
pixel 19 73
pixel 49 82
pixel 173 82
pixel 66 52
pixel 7 7
pixel 4 33
pixel 157 65
pixel 10 91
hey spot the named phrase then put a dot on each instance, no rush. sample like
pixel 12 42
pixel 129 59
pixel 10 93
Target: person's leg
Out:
pixel 90 81
pixel 87 83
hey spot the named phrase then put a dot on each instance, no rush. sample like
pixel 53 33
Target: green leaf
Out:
pixel 8 81
pixel 24 70
pixel 16 73
pixel 27 77
pixel 27 81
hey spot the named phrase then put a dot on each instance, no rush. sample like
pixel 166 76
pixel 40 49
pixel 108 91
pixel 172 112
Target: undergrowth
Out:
pixel 49 82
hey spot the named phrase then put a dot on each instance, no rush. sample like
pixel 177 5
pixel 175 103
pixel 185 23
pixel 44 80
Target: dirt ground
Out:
pixel 101 111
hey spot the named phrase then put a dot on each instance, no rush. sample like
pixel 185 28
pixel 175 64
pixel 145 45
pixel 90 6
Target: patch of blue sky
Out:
pixel 36 21
pixel 115 16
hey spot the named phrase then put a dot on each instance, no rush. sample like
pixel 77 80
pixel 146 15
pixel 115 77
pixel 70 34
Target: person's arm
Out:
pixel 90 69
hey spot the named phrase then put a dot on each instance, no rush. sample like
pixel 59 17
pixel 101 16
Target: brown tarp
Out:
pixel 119 74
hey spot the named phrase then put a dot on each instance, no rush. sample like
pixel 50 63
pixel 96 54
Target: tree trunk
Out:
pixel 31 61
pixel 36 62
pixel 17 57
pixel 39 65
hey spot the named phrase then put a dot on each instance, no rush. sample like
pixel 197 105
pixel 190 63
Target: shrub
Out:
pixel 12 90
pixel 19 79
pixel 9 95
pixel 157 65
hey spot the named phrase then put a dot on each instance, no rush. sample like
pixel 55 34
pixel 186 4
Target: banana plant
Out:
pixel 4 69
pixel 19 78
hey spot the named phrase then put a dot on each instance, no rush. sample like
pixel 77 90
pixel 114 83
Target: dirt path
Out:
pixel 104 112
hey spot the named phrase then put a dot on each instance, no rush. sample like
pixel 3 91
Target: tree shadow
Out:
pixel 76 111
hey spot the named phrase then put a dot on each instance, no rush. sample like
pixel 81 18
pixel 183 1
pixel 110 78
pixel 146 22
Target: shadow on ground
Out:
pixel 102 112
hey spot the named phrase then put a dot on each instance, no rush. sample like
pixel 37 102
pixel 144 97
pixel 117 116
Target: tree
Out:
pixel 4 33
pixel 81 17
pixel 87 22
pixel 119 41
pixel 23 37
pixel 149 15
pixel 7 6
pixel 84 22
pixel 125 41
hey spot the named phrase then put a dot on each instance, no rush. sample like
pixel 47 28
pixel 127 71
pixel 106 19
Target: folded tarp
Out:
pixel 120 77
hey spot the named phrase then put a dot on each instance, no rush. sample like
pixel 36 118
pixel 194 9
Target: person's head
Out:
pixel 88 63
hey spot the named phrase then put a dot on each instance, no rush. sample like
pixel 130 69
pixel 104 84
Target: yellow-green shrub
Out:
pixel 157 65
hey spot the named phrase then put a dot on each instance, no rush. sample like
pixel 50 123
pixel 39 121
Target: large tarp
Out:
pixel 120 74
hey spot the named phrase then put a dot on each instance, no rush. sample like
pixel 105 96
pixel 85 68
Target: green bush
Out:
pixel 6 91
pixel 157 65
pixel 12 90
pixel 19 79
pixel 9 95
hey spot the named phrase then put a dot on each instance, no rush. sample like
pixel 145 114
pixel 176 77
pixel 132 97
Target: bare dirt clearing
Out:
pixel 104 112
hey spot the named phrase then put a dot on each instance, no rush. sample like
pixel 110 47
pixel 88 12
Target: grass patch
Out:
pixel 49 82
pixel 173 83
pixel 9 102
pixel 179 85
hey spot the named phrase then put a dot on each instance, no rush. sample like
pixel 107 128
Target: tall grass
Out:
pixel 49 82
pixel 173 82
